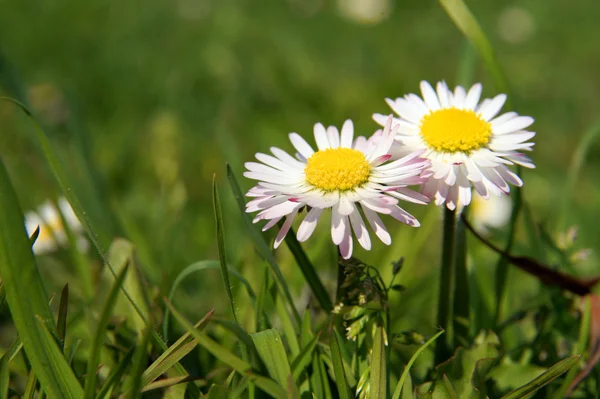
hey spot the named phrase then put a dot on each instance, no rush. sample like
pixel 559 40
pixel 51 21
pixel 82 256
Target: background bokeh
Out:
pixel 145 100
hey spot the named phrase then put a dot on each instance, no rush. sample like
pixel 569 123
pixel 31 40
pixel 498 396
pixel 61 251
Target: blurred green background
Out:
pixel 145 100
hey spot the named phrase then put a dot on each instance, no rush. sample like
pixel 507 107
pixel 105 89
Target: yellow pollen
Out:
pixel 337 169
pixel 455 130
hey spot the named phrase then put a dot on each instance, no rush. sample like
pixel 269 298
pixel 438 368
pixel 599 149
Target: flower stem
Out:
pixel 447 276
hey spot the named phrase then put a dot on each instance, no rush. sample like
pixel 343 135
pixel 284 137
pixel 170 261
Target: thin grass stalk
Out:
pixel 447 281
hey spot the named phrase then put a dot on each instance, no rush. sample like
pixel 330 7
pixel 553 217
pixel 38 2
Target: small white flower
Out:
pixel 464 139
pixel 52 232
pixel 346 175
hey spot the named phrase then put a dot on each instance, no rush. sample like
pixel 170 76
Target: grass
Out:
pixel 131 112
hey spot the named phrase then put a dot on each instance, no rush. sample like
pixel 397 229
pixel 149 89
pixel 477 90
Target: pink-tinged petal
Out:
pixel 382 159
pixel 402 216
pixel 452 198
pixel 492 175
pixel 285 228
pixel 347 134
pixel 377 225
pixel 377 205
pixel 509 176
pixel 464 190
pixel 338 226
pixel 321 136
pixel 491 109
pixel 346 244
pixel 345 206
pixel 409 195
pixel 473 172
pixel 441 195
pixel 308 225
pixel 280 210
pixel 481 189
pixel 473 96
pixel 264 203
pixel 429 96
pixel 270 224
pixel 301 145
pixel 361 144
pixel 384 142
pixel 360 229
pixel 334 136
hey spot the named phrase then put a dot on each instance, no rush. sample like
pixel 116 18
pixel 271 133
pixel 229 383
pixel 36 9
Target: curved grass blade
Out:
pixel 545 378
pixel 579 157
pixel 412 360
pixel 171 356
pixel 338 366
pixel 244 368
pixel 61 323
pixel 308 270
pixel 198 267
pixel 305 357
pixel 99 336
pixel 19 270
pixel 462 17
pixel 261 244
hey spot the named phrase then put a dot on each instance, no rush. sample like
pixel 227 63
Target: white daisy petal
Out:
pixel 360 229
pixel 301 145
pixel 493 107
pixel 321 136
pixel 334 136
pixel 473 96
pixel 346 243
pixel 512 125
pixel 338 226
pixel 347 134
pixel 377 226
pixel 308 225
pixel 285 228
pixel 431 99
pixel 287 158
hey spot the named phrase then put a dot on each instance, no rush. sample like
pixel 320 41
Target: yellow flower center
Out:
pixel 337 169
pixel 454 130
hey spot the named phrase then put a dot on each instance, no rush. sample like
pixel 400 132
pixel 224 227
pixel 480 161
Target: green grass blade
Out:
pixel 461 316
pixel 4 374
pixel 140 357
pixel 545 378
pixel 171 356
pixel 289 330
pixel 61 323
pixel 303 359
pixel 413 359
pixel 116 375
pixel 379 365
pixel 27 299
pixel 221 245
pixel 260 243
pixel 99 336
pixel 2 293
pixel 338 366
pixel 269 386
pixel 465 21
pixel 577 162
pixel 308 270
pixel 198 267
pixel 447 277
pixel 270 348
pixel 30 387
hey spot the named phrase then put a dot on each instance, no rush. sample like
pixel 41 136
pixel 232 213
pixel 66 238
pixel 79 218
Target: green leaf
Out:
pixel 308 270
pixel 405 372
pixel 553 372
pixel 116 375
pixel 508 376
pixel 378 365
pixel 4 374
pixel 260 243
pixel 100 335
pixel 198 267
pixel 176 352
pixel 27 299
pixel 461 369
pixel 269 386
pixel 272 352
pixel 338 366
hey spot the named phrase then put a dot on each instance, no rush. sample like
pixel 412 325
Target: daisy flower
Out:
pixel 349 176
pixel 52 231
pixel 468 145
